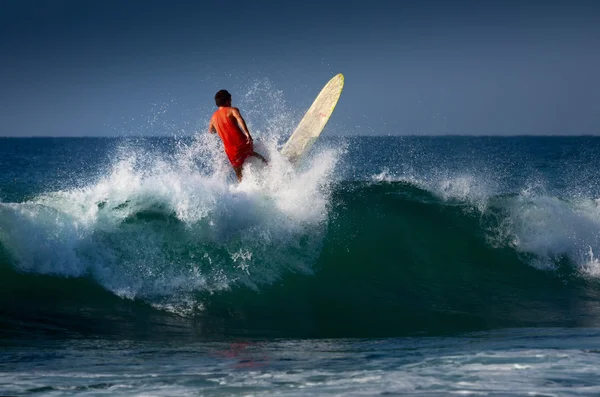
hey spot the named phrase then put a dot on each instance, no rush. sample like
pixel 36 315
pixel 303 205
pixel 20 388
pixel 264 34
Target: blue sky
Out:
pixel 89 68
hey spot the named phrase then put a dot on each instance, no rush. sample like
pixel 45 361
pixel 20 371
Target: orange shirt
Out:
pixel 234 140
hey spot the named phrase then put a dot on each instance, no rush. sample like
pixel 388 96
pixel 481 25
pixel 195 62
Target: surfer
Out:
pixel 231 127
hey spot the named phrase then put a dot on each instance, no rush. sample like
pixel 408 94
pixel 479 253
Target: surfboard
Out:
pixel 313 122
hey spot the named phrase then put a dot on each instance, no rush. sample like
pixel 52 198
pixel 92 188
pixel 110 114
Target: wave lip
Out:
pixel 548 228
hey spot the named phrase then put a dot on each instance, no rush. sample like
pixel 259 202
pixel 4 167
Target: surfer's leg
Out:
pixel 264 160
pixel 238 173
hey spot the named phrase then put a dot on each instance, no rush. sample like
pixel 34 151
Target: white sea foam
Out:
pixel 552 228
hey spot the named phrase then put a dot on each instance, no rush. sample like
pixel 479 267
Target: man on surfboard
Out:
pixel 231 127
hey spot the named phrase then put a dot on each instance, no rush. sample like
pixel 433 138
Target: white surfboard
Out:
pixel 314 120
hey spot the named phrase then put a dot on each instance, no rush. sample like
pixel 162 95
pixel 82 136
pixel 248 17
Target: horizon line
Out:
pixel 328 136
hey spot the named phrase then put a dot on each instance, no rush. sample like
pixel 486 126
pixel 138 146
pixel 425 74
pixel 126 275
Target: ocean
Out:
pixel 382 265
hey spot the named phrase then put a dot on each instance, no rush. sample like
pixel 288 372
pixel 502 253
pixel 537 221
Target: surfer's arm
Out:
pixel 241 121
pixel 211 127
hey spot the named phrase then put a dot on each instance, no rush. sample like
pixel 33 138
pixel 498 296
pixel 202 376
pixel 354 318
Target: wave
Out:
pixel 545 228
pixel 295 253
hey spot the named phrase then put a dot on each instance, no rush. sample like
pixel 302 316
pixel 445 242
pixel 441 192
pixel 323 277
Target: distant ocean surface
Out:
pixel 381 266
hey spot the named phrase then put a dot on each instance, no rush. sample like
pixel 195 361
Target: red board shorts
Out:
pixel 238 155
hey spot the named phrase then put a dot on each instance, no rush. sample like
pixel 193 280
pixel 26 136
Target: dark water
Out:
pixel 137 266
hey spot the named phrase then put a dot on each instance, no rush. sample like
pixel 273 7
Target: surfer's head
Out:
pixel 223 98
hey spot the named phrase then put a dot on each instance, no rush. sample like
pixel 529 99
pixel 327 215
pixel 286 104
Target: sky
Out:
pixel 113 68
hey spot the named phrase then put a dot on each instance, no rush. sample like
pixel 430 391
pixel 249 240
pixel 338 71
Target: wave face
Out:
pixel 382 258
